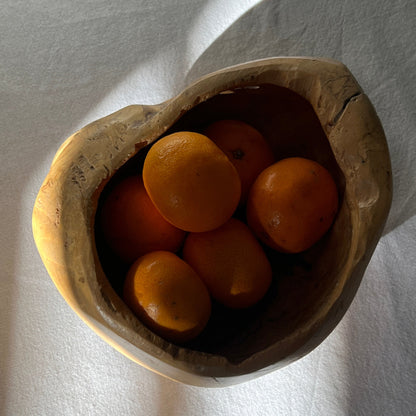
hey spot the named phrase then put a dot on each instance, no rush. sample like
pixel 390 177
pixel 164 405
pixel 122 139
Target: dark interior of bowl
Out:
pixel 303 282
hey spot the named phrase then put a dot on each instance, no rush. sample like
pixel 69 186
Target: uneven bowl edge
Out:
pixel 63 214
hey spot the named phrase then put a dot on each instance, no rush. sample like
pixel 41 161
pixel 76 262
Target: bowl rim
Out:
pixel 78 173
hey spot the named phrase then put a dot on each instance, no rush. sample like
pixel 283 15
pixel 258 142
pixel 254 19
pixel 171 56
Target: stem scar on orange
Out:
pixel 231 263
pixel 292 204
pixel 131 224
pixel 168 296
pixel 246 148
pixel 191 181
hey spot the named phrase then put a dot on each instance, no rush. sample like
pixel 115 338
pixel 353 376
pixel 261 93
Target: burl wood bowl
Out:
pixel 303 107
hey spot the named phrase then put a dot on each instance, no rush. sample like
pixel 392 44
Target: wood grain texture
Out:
pixel 350 141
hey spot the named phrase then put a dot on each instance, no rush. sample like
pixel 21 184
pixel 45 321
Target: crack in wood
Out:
pixel 344 106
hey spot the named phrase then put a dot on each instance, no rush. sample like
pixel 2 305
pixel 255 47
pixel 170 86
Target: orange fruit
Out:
pixel 131 224
pixel 246 148
pixel 292 204
pixel 231 263
pixel 167 295
pixel 191 181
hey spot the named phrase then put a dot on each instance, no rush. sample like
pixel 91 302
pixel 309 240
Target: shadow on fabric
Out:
pixel 284 28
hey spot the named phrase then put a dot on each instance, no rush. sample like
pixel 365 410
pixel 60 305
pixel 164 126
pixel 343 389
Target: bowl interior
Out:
pixel 302 283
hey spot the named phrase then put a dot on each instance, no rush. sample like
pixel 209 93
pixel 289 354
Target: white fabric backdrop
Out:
pixel 66 63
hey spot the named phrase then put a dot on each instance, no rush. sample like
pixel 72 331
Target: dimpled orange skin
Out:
pixel 231 262
pixel 292 204
pixel 246 148
pixel 191 181
pixel 168 296
pixel 131 224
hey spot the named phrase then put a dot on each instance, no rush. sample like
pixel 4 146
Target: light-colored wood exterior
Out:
pixel 63 216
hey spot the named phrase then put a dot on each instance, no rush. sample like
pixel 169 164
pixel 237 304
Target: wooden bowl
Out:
pixel 303 106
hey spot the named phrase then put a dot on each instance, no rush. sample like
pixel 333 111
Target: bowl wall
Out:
pixel 304 107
